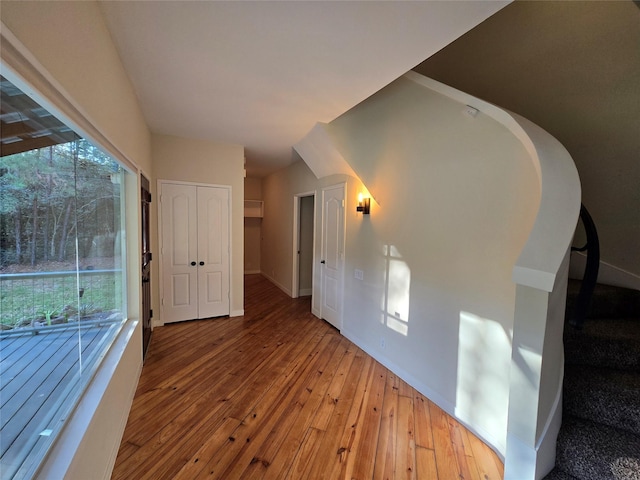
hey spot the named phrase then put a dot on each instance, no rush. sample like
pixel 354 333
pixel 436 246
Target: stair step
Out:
pixel 612 343
pixel 607 301
pixel 590 451
pixel 557 474
pixel 611 397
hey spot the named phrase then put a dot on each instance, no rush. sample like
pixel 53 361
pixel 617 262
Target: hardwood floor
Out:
pixel 280 394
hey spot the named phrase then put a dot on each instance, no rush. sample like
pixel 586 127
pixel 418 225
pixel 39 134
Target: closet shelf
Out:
pixel 253 208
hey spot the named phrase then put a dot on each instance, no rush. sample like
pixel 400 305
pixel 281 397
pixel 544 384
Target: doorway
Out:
pixel 303 244
pixel 147 314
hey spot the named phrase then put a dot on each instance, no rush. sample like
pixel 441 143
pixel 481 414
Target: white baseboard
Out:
pixel 495 444
pixel 251 272
pixel 607 274
pixel 305 292
pixel 278 284
pixel 237 313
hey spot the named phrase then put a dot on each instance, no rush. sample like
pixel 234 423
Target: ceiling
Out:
pixel 261 74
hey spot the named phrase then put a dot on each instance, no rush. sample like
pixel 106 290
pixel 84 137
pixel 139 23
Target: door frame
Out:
pixel 320 289
pixel 295 287
pixel 160 182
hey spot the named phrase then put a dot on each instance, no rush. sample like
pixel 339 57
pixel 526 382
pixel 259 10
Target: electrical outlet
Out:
pixel 383 343
pixel 358 274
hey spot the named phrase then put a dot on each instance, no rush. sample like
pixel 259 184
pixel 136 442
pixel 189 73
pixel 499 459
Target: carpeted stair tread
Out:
pixel 603 395
pixel 600 434
pixel 557 474
pixel 591 451
pixel 613 343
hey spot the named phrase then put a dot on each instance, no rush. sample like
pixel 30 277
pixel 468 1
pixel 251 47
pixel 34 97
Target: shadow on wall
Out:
pixel 482 354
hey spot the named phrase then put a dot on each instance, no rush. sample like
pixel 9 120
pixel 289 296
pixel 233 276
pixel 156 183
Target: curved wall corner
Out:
pixel 540 275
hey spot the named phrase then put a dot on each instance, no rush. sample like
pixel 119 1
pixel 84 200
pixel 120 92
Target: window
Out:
pixel 62 290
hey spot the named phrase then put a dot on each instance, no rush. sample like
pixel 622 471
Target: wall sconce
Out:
pixel 364 204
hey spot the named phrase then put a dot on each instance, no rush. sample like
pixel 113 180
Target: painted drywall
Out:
pixel 456 199
pixel 253 188
pixel 277 247
pixel 205 162
pixel 573 68
pixel 71 41
pixel 252 227
pixel 68 44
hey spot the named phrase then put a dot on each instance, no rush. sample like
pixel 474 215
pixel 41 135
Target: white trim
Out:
pixel 195 184
pixel 63 456
pixel 251 272
pixel 305 292
pixel 277 284
pixel 24 70
pixel 607 274
pixel 295 262
pixel 321 155
pixel 237 313
pixel 526 461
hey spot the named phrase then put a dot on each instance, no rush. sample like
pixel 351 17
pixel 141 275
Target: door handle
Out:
pixel 201 263
pixel 193 264
pixel 322 261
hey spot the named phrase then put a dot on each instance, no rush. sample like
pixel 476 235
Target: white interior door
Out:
pixel 213 252
pixel 332 263
pixel 179 250
pixel 195 252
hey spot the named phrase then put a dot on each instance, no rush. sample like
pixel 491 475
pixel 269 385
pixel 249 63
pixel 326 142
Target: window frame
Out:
pixel 88 444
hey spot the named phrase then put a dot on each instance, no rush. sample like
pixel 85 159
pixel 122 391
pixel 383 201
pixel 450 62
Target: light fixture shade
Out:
pixel 364 204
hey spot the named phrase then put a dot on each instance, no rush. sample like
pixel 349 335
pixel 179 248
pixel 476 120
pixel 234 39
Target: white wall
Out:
pixel 596 120
pixel 201 161
pixel 457 199
pixel 64 52
pixel 277 247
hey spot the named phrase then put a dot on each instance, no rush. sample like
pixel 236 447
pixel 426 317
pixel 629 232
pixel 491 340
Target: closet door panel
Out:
pixel 179 251
pixel 213 251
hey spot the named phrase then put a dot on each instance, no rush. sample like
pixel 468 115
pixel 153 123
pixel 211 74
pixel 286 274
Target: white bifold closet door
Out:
pixel 194 251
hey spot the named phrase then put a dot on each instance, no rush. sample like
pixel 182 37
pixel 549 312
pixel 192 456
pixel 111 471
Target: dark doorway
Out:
pixel 305 246
pixel 147 313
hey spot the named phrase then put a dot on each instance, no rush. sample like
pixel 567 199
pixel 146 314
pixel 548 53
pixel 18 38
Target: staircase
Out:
pixel 600 434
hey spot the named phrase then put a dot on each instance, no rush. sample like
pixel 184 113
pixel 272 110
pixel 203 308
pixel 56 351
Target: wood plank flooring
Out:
pixel 280 394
